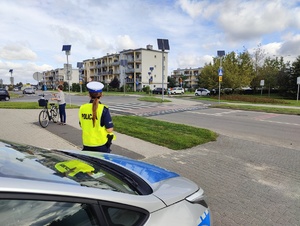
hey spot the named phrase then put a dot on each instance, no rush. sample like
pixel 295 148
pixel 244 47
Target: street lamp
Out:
pixel 163 44
pixel 80 66
pixel 67 49
pixel 11 78
pixel 220 54
pixel 124 64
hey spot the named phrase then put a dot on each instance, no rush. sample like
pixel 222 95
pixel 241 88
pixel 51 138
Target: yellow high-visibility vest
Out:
pixel 92 136
pixel 72 167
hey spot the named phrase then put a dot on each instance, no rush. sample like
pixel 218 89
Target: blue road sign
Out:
pixel 220 71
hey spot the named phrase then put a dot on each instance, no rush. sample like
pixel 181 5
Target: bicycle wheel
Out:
pixel 54 113
pixel 43 118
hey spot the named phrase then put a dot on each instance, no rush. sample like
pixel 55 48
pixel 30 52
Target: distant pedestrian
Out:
pixel 169 92
pixel 95 121
pixel 60 97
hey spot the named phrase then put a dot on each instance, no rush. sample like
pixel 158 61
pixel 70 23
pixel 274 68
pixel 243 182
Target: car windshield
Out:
pixel 27 162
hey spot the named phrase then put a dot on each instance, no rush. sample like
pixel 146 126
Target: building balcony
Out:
pixel 129 70
pixel 115 63
pixel 131 80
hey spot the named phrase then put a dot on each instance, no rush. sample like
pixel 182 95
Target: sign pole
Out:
pixel 220 79
pixel 163 44
pixel 298 83
pixel 220 54
pixel 298 93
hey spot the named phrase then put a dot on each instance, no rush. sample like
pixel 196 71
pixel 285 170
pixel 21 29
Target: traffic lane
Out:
pixel 259 116
pixel 245 182
pixel 279 130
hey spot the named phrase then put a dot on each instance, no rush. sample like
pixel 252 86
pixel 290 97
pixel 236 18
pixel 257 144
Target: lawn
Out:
pixel 171 135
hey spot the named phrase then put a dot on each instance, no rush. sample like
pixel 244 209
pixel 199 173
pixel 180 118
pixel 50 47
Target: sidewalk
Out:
pixel 21 126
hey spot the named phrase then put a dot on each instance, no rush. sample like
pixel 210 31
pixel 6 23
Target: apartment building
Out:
pixel 53 78
pixel 188 78
pixel 134 68
pixel 102 69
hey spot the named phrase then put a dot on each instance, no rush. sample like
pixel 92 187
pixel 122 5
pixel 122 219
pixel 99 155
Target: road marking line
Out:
pixel 285 123
pixel 216 114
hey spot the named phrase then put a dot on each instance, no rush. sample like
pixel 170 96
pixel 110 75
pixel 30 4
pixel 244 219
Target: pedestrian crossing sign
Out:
pixel 220 71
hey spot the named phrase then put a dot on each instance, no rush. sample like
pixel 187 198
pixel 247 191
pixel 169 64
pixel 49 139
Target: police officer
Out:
pixel 95 121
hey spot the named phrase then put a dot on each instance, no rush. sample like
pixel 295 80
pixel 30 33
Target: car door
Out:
pixel 38 209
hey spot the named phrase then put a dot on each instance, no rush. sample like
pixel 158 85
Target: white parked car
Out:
pixel 29 91
pixel 202 92
pixel 177 90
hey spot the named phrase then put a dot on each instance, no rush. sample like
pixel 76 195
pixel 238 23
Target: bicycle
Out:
pixel 47 115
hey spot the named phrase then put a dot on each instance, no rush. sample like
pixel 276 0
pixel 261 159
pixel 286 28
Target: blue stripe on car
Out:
pixel 205 219
pixel 147 171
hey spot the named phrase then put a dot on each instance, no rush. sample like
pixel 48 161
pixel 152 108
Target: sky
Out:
pixel 34 31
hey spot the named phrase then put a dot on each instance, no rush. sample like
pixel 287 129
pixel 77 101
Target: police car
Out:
pixel 60 188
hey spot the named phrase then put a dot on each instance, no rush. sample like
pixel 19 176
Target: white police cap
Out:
pixel 95 87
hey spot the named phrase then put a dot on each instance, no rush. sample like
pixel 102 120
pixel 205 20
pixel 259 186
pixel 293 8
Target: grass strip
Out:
pixel 153 99
pixel 273 109
pixel 170 135
pixel 27 105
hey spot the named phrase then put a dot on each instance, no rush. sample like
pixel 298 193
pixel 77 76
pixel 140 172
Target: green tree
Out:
pixel 258 60
pixel 238 71
pixel 294 74
pixel 20 84
pixel 66 86
pixel 208 77
pixel 171 82
pixel 115 83
pixel 284 80
pixel 271 71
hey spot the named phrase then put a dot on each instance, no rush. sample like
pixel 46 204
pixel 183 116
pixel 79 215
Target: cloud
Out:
pixel 17 51
pixel 193 61
pixel 291 46
pixel 22 72
pixel 193 8
pixel 125 42
pixel 247 20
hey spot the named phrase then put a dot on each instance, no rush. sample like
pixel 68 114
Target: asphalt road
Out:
pixel 267 128
pixel 251 175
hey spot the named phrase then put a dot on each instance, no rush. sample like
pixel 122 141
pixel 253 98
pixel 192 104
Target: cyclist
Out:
pixel 96 122
pixel 60 97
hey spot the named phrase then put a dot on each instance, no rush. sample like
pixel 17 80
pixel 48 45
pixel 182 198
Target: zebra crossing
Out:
pixel 150 109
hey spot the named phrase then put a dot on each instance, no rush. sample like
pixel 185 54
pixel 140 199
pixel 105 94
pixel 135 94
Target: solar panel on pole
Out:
pixel 163 44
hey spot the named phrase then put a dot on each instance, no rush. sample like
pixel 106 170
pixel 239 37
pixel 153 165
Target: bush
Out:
pixel 146 89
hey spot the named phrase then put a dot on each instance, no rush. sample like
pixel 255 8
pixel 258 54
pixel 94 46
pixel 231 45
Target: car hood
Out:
pixel 168 186
pixel 174 190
